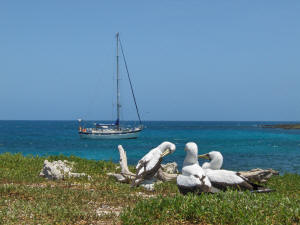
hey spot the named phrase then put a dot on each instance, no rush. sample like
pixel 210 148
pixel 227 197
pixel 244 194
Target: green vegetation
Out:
pixel 232 207
pixel 26 198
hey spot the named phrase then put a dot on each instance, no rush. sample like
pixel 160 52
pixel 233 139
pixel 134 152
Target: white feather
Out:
pixel 153 156
pixel 216 161
pixel 223 176
pixel 188 181
pixel 192 173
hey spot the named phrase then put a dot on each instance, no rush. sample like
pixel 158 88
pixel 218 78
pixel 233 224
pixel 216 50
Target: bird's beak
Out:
pixel 204 156
pixel 165 153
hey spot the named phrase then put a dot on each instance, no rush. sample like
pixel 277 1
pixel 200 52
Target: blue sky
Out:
pixel 189 60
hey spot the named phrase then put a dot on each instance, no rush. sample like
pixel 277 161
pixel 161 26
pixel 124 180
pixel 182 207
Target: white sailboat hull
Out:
pixel 106 135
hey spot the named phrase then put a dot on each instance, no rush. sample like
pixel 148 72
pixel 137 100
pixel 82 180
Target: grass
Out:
pixel 231 207
pixel 26 198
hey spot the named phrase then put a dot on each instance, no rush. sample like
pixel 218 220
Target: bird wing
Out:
pixel 205 165
pixel 192 184
pixel 197 172
pixel 193 169
pixel 222 179
pixel 187 181
pixel 145 158
pixel 148 161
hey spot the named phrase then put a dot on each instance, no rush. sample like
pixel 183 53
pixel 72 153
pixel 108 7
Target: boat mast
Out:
pixel 118 88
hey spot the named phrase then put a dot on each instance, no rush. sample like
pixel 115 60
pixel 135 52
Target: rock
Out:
pixel 259 175
pixel 58 170
pixel 170 168
pixel 148 184
pixel 107 210
pixel 164 176
pixel 143 195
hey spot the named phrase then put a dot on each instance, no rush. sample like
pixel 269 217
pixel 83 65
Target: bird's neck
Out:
pixel 215 164
pixel 190 159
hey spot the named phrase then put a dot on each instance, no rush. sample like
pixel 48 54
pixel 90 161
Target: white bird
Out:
pixel 150 163
pixel 223 179
pixel 216 160
pixel 193 177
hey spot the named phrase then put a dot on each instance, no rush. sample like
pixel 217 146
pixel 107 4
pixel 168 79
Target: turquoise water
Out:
pixel 244 145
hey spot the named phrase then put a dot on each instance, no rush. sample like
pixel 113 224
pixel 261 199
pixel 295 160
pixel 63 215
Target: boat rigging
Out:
pixel 114 130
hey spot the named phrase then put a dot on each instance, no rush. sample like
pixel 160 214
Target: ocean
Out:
pixel 244 145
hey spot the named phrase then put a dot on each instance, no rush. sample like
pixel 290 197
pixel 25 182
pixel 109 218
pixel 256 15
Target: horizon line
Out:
pixel 155 120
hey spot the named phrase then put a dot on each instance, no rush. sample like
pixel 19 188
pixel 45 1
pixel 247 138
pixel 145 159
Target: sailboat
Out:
pixel 114 130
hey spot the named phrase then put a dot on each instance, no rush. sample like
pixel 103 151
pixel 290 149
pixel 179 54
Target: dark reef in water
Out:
pixel 283 126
